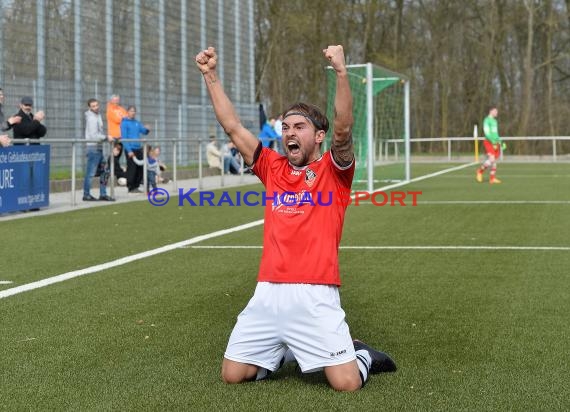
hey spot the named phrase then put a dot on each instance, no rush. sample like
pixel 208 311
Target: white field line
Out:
pixel 5 282
pixel 451 247
pixel 124 260
pixel 476 202
pixel 424 177
pixel 167 248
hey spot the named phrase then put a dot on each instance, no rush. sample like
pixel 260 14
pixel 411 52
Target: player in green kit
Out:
pixel 493 145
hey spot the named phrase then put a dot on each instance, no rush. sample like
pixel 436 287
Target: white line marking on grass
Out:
pixel 124 260
pixel 223 247
pixel 420 178
pixel 167 248
pixel 5 282
pixel 547 248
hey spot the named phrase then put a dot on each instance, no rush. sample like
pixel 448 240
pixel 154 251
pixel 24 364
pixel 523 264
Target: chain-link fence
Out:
pixel 63 52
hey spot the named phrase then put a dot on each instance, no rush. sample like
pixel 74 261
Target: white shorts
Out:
pixel 306 318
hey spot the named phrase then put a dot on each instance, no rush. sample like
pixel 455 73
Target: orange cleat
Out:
pixel 479 176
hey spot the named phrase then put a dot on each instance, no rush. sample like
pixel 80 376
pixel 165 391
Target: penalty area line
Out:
pixel 123 260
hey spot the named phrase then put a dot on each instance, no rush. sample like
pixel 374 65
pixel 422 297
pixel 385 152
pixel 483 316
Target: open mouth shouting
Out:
pixel 293 147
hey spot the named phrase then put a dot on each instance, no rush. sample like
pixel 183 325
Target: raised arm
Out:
pixel 342 147
pixel 245 141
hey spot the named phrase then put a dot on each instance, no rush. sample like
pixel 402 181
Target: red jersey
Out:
pixel 303 218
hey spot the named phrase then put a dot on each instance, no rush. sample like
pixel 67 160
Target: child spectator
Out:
pixel 152 167
pixel 119 171
pixel 161 167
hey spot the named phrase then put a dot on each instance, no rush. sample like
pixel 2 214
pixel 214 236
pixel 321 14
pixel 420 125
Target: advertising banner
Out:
pixel 24 177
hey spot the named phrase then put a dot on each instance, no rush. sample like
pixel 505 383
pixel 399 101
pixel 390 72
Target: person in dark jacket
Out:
pixel 31 126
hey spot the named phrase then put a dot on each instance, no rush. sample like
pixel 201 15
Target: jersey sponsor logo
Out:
pixel 292 199
pixel 310 177
pixel 296 172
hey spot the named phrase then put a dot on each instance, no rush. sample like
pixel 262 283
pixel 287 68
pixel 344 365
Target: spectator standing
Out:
pixel 161 167
pixel 96 162
pixel 278 126
pixel 152 168
pixel 268 135
pixel 131 129
pixel 30 126
pixel 115 114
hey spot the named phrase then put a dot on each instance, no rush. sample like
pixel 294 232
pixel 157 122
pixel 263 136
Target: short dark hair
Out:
pixel 92 100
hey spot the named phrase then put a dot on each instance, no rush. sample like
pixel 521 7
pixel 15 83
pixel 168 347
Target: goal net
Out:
pixel 381 124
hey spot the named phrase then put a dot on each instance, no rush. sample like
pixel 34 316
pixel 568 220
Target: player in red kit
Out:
pixel 295 312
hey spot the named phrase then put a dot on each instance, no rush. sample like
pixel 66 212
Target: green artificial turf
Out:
pixel 471 329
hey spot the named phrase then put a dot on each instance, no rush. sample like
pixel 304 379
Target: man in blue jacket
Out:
pixel 268 135
pixel 132 128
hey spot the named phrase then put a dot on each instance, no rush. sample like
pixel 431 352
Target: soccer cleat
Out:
pixel 381 362
pixel 495 181
pixel 479 176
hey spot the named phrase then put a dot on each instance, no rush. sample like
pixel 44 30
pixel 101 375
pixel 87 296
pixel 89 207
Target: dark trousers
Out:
pixel 134 171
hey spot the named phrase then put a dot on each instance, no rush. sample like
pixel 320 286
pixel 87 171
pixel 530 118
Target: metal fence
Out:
pixel 63 52
pixel 73 176
pixel 533 148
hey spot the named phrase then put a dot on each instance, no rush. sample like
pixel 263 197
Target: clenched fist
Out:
pixel 206 60
pixel 335 55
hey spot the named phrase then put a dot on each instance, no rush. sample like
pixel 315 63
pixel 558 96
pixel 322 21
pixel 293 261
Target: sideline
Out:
pixel 127 259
